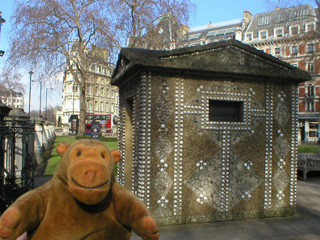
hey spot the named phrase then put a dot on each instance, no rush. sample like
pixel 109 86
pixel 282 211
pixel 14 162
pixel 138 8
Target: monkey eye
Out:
pixel 79 153
pixel 102 155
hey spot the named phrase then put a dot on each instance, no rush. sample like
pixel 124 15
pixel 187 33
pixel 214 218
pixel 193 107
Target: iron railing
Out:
pixel 17 160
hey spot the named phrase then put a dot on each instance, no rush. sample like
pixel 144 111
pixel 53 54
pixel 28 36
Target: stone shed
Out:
pixel 208 133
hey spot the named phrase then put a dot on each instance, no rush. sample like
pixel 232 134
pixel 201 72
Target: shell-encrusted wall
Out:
pixel 188 168
pixel 208 133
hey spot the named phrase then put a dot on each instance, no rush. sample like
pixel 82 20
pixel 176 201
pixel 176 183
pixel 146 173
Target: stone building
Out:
pixel 213 32
pixel 291 35
pixel 101 97
pixel 12 98
pixel 208 133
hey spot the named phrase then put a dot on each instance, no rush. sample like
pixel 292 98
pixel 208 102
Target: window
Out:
pixel 249 37
pixel 294 50
pixel 263 35
pixel 313 134
pixel 294 30
pixel 229 111
pixel 310 48
pixel 264 20
pixel 300 14
pixel 313 129
pixel 195 44
pixel 310 92
pixel 310 106
pixel 97 91
pixel 221 32
pixel 194 36
pixel 310 27
pixel 277 51
pixel 313 126
pixel 278 32
pixel 88 105
pixel 310 67
pixel 281 18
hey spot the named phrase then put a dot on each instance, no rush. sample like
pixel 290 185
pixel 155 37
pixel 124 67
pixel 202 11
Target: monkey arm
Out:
pixel 132 213
pixel 24 214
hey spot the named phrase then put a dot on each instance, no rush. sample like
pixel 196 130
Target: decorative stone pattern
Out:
pixel 225 178
pixel 162 148
pixel 201 164
pixel 122 133
pixel 269 145
pixel 144 145
pixel 237 178
pixel 294 146
pixel 188 168
pixel 224 181
pixel 206 183
pixel 135 160
pixel 163 201
pixel 178 146
pixel 281 178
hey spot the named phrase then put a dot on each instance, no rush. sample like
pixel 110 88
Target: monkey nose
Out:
pixel 90 175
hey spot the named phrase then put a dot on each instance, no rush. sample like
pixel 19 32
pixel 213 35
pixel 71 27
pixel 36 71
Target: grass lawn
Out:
pixel 308 148
pixel 55 158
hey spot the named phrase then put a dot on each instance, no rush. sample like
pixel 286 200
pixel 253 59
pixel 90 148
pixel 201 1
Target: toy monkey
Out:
pixel 82 201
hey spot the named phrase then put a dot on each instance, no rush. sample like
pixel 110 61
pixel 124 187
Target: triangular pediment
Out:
pixel 226 57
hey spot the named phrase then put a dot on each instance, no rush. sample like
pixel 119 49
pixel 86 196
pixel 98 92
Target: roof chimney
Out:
pixel 247 15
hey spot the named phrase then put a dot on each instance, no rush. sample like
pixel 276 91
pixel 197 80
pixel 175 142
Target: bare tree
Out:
pixel 57 35
pixel 136 21
pixel 11 79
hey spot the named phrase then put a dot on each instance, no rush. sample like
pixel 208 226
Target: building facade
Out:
pixel 12 98
pixel 289 34
pixel 101 98
pixel 214 32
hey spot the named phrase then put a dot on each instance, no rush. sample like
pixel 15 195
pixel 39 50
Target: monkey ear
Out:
pixel 116 155
pixel 62 148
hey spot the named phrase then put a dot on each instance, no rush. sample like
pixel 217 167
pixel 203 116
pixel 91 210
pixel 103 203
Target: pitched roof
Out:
pixel 283 17
pixel 218 30
pixel 212 26
pixel 229 57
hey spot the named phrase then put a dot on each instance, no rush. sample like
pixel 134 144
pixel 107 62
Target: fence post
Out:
pixel 17 156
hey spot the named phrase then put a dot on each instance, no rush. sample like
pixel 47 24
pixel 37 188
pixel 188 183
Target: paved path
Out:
pixel 304 225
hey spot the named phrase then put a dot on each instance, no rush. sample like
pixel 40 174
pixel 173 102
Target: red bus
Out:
pixel 103 119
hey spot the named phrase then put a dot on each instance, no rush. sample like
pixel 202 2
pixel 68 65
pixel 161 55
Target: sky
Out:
pixel 207 11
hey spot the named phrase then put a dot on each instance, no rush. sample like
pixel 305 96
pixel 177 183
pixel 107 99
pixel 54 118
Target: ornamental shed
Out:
pixel 208 133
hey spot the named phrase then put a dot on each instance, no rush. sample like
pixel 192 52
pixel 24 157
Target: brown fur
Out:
pixel 81 201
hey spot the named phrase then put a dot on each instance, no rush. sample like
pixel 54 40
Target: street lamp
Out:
pixel 40 82
pixel 47 103
pixel 1 22
pixel 30 91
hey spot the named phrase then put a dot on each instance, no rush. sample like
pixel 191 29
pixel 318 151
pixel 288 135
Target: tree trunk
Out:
pixel 83 110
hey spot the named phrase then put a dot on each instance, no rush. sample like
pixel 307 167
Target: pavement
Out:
pixel 304 225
